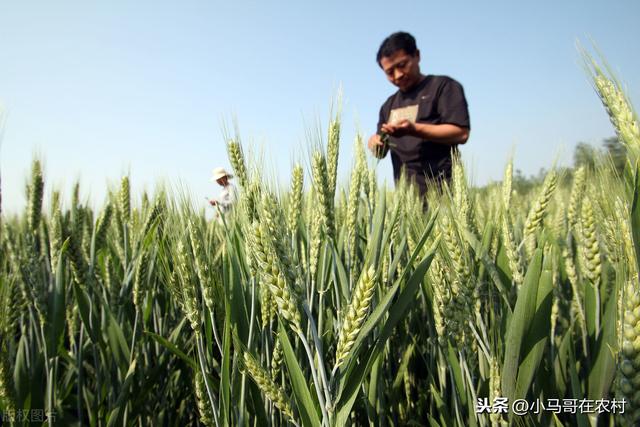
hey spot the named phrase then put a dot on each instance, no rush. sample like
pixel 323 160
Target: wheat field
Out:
pixel 328 305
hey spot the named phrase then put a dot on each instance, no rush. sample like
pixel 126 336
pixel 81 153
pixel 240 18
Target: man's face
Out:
pixel 222 181
pixel 402 69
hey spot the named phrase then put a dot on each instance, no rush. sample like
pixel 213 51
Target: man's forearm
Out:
pixel 443 134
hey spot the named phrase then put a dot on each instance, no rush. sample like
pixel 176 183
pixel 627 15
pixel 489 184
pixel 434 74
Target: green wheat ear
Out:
pixel 620 112
pixel 333 148
pixel 264 382
pixel 575 201
pixel 494 388
pixel 272 275
pixel 321 188
pixel 295 203
pixel 537 212
pixel 124 199
pixel 352 216
pixel 236 156
pixel 36 190
pixel 276 359
pixel 629 366
pixel 507 184
pixel 7 390
pixel 202 400
pixel 355 314
pixel 590 253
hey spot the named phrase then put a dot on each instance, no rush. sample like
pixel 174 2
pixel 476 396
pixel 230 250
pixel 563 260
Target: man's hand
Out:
pixel 213 202
pixel 402 128
pixel 375 143
pixel 378 145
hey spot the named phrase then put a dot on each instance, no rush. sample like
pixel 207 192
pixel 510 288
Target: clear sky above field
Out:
pixel 101 89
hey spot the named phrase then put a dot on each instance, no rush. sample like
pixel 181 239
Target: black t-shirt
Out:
pixel 435 100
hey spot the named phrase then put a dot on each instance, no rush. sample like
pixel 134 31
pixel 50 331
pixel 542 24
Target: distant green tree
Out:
pixel 523 184
pixel 617 151
pixel 585 155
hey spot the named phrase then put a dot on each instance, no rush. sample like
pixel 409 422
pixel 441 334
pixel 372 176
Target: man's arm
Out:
pixel 446 133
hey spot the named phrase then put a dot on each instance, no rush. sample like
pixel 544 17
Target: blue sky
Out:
pixel 102 89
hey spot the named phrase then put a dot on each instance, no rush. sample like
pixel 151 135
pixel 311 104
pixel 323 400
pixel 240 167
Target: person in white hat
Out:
pixel 227 196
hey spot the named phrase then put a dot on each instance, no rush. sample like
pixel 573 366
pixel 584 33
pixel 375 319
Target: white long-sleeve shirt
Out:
pixel 227 197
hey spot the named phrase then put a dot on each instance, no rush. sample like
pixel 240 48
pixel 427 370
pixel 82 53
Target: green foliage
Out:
pixel 612 152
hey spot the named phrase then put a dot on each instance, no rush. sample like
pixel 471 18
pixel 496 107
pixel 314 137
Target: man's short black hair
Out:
pixel 394 43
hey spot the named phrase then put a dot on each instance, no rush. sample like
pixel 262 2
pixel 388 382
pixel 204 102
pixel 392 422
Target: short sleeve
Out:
pixel 452 105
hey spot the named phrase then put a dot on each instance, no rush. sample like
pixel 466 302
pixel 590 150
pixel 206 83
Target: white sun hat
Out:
pixel 220 173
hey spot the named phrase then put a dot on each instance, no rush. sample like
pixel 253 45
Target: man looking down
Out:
pixel 424 121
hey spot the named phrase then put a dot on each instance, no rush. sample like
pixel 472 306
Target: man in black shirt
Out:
pixel 424 120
